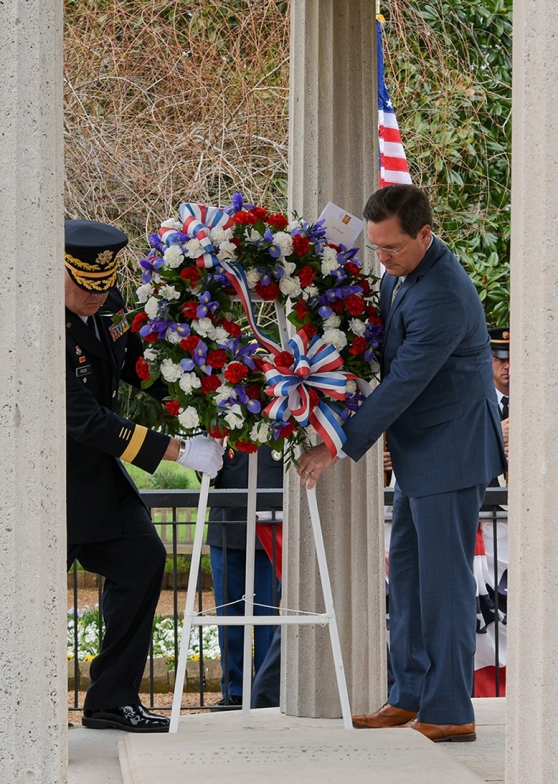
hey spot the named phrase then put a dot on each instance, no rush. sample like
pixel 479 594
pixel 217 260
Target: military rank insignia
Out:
pixel 119 325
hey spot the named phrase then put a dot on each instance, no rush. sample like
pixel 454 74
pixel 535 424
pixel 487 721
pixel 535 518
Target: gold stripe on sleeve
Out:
pixel 136 443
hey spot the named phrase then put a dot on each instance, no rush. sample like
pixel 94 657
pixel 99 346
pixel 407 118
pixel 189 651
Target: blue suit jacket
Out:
pixel 436 399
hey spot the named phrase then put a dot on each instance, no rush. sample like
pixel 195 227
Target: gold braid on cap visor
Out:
pixel 87 276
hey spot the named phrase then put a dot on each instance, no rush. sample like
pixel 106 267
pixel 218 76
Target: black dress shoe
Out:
pixel 129 718
pixel 233 702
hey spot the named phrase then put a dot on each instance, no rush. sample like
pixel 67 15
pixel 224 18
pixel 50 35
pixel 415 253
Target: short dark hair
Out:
pixel 407 202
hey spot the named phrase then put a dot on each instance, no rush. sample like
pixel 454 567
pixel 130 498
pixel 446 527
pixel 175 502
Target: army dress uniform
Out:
pixel 110 531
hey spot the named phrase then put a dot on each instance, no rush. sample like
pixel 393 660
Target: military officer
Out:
pixel 110 531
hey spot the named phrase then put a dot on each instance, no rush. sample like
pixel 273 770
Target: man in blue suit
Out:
pixel 436 401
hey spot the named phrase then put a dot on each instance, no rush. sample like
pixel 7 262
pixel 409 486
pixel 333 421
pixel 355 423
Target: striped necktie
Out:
pixel 396 288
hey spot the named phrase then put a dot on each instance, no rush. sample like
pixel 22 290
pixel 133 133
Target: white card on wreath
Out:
pixel 342 228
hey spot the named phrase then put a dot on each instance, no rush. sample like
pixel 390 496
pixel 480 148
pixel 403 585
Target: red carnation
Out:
pixel 189 309
pixel 365 286
pixel 358 346
pixel 352 268
pixel 278 221
pixel 151 338
pixel 259 212
pixel 139 321
pixel 301 309
pixel 253 391
pixel 210 384
pixel 173 407
pixel 246 446
pixel 191 274
pixel 373 315
pixel 232 328
pixel 236 372
pixel 236 242
pixel 284 359
pixel 258 362
pixel 301 244
pixel 310 330
pixel 306 276
pixel 355 305
pixel 269 292
pixel 287 431
pixel 314 398
pixel 190 343
pixel 142 369
pixel 216 358
pixel 215 432
pixel 245 218
pixel 338 306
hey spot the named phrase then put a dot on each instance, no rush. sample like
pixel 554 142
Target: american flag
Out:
pixel 393 163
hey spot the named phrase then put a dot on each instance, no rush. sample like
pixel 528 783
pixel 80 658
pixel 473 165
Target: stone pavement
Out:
pixel 277 748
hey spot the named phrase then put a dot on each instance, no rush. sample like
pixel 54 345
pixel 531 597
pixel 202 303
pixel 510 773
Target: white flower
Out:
pixel 217 236
pixel 336 337
pixel 357 326
pixel 220 335
pixel 189 418
pixel 311 291
pixel 173 337
pixel 152 307
pixel 329 260
pixel 290 286
pixel 224 393
pixel 332 322
pixel 294 225
pixel 188 382
pixel 171 223
pixel 144 292
pixel 150 355
pixel 234 418
pixel 255 235
pixel 226 251
pixel 194 249
pixel 284 241
pixel 289 267
pixel 203 327
pixel 170 371
pixel 173 256
pixel 169 292
pixel 351 387
pixel 253 277
pixel 260 432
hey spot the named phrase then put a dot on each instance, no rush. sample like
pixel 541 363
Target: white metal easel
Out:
pixel 249 620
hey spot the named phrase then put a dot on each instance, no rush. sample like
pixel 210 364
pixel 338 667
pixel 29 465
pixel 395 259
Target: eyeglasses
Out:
pixel 390 251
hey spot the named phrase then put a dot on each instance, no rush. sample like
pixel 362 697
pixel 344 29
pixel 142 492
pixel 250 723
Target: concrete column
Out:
pixel 333 157
pixel 532 685
pixel 33 679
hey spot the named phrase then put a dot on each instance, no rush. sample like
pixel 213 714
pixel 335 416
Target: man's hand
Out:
pixel 313 463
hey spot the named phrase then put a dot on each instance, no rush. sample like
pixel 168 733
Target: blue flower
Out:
pixel 149 265
pixel 206 305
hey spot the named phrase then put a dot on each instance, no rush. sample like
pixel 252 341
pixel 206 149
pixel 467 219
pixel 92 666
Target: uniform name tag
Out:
pixel 119 325
pixel 83 371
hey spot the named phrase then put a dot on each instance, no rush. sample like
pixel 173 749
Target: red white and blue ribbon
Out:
pixel 315 366
pixel 197 222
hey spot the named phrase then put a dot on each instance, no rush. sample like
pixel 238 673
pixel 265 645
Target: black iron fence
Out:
pixel 174 514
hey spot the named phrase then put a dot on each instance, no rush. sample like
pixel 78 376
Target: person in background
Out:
pixel 109 530
pixel 436 401
pixel 227 541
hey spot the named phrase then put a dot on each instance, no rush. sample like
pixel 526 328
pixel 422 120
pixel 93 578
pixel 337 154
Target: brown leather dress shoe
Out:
pixel 387 716
pixel 459 733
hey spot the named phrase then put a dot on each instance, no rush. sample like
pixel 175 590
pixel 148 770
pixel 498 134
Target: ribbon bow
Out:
pixel 315 366
pixel 197 222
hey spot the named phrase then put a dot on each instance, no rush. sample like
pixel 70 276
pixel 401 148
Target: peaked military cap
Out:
pixel 500 342
pixel 90 257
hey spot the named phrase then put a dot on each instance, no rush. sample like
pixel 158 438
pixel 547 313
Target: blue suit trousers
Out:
pixel 432 603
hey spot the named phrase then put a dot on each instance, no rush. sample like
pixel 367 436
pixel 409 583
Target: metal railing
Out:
pixel 176 528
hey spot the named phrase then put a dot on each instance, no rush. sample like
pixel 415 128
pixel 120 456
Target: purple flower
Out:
pixel 237 202
pixel 149 265
pixel 254 406
pixel 156 242
pixel 157 326
pixel 206 305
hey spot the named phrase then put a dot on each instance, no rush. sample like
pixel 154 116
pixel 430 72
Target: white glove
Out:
pixel 202 454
